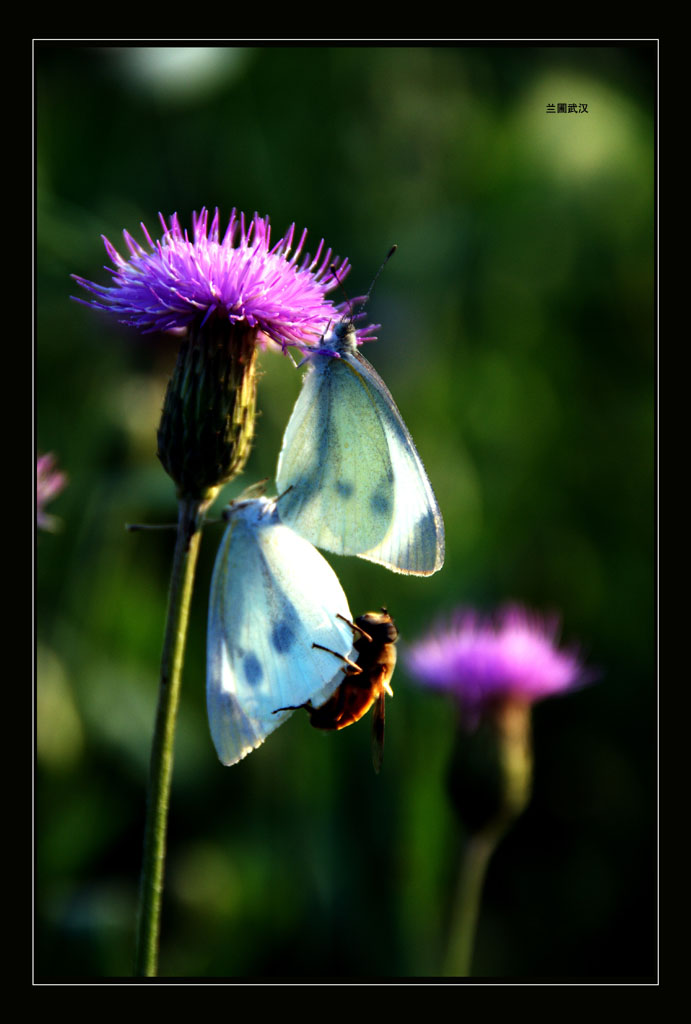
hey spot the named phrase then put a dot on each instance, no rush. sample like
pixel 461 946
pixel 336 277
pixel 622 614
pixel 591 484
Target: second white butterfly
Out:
pixel 357 484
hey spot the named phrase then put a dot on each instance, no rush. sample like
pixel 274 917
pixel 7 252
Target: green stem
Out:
pixel 459 952
pixel 490 784
pixel 179 597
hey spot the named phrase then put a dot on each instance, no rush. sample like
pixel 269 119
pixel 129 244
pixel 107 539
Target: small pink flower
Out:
pixel 483 661
pixel 49 483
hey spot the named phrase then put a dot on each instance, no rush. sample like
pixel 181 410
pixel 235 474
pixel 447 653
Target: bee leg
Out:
pixel 353 626
pixel 351 664
pixel 294 707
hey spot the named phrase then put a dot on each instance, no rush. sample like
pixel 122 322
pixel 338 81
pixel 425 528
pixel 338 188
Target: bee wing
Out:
pixel 378 732
pixel 358 486
pixel 272 597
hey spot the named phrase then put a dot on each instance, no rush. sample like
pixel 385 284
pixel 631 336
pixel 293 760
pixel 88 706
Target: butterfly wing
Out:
pixel 414 542
pixel 272 597
pixel 335 461
pixel 357 484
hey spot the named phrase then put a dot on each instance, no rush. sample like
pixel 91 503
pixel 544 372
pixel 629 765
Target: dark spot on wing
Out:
pixel 380 504
pixel 253 669
pixel 427 530
pixel 343 488
pixel 282 636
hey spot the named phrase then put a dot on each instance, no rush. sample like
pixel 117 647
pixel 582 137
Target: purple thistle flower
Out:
pixel 49 483
pixel 240 277
pixel 484 661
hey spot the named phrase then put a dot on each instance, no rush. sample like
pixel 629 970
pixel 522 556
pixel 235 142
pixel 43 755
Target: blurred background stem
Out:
pixel 459 952
pixel 190 513
pixel 491 782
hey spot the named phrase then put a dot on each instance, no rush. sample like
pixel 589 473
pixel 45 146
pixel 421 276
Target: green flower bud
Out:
pixel 207 424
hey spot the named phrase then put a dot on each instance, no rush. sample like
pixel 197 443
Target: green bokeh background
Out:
pixel 518 340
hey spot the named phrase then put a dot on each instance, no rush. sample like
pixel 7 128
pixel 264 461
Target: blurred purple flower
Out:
pixel 239 277
pixel 49 483
pixel 483 661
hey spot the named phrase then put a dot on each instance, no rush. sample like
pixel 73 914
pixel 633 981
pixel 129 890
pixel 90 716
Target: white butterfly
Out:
pixel 357 484
pixel 272 597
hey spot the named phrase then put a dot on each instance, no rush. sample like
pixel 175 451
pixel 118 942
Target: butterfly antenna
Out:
pixel 363 301
pixel 255 490
pixel 390 253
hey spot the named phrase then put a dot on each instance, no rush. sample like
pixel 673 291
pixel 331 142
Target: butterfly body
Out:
pixel 357 484
pixel 272 594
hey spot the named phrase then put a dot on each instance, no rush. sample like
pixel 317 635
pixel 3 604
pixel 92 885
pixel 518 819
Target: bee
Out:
pixel 367 681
